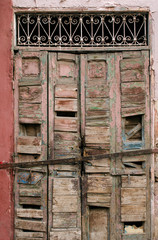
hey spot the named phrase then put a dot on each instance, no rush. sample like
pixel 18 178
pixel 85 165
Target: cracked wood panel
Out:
pixel 133 198
pixel 64 212
pixel 102 130
pixel 100 86
pixel 64 188
pixel 98 166
pixel 135 112
pixel 30 144
pixel 30 106
pixel 31 203
pixel 134 77
pixel 99 189
pixel 64 91
pixel 97 106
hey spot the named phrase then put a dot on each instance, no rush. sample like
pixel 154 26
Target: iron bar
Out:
pixel 76 160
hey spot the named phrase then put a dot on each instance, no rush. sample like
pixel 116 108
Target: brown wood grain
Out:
pixel 31 225
pixel 65 104
pixel 66 91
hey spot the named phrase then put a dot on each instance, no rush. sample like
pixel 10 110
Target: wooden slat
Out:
pixel 139 209
pixel 29 234
pixel 65 154
pixel 30 178
pixel 134 236
pixel 30 113
pixel 133 100
pixel 134 75
pixel 141 158
pixel 30 145
pixel 30 94
pixel 130 64
pixel 133 196
pixel 63 187
pixel 25 238
pixel 140 217
pixel 30 200
pixel 66 104
pixel 133 181
pixel 97 90
pixel 66 136
pixel 24 158
pixel 132 111
pixel 30 225
pixel 131 54
pixel 64 220
pixel 66 167
pixel 133 88
pixel 65 235
pixel 91 82
pixel 68 203
pixel 68 91
pixel 97 118
pixel 102 165
pixel 66 124
pixel 98 198
pixel 66 56
pixel 99 184
pixel 29 213
pixel 93 104
pixel 30 192
pixel 66 146
pixel 97 135
pixel 61 174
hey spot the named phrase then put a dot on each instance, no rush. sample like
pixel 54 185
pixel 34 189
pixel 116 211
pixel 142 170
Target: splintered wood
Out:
pixel 79 105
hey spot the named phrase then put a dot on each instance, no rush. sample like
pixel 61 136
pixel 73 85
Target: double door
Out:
pixel 69 106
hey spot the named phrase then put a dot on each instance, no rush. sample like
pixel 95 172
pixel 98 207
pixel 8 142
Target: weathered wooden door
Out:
pixel 30 185
pixel 84 106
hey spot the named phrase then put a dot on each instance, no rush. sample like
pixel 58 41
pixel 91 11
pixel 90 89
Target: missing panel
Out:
pixel 65 114
pixel 133 134
pixel 133 227
pixel 31 206
pixel 33 130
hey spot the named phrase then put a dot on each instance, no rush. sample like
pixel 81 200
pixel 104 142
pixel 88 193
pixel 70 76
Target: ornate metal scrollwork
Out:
pixel 82 30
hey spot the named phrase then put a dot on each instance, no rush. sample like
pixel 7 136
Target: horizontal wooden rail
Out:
pixel 4 165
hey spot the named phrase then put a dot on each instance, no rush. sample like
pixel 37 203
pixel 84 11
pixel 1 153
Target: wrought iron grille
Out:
pixel 82 30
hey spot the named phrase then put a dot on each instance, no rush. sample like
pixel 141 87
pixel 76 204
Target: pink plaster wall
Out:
pixel 6 119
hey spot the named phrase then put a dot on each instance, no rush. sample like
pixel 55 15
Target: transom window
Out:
pixel 82 30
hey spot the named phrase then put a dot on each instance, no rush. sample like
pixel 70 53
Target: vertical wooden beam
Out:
pixel 52 80
pixel 83 67
pixel 118 146
pixel 112 96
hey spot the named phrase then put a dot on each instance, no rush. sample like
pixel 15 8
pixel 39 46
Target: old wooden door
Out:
pixel 70 106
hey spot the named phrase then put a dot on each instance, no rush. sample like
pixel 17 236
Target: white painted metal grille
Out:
pixel 82 30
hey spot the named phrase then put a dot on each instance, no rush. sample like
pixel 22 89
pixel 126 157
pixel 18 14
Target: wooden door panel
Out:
pixel 98 224
pixel 98 103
